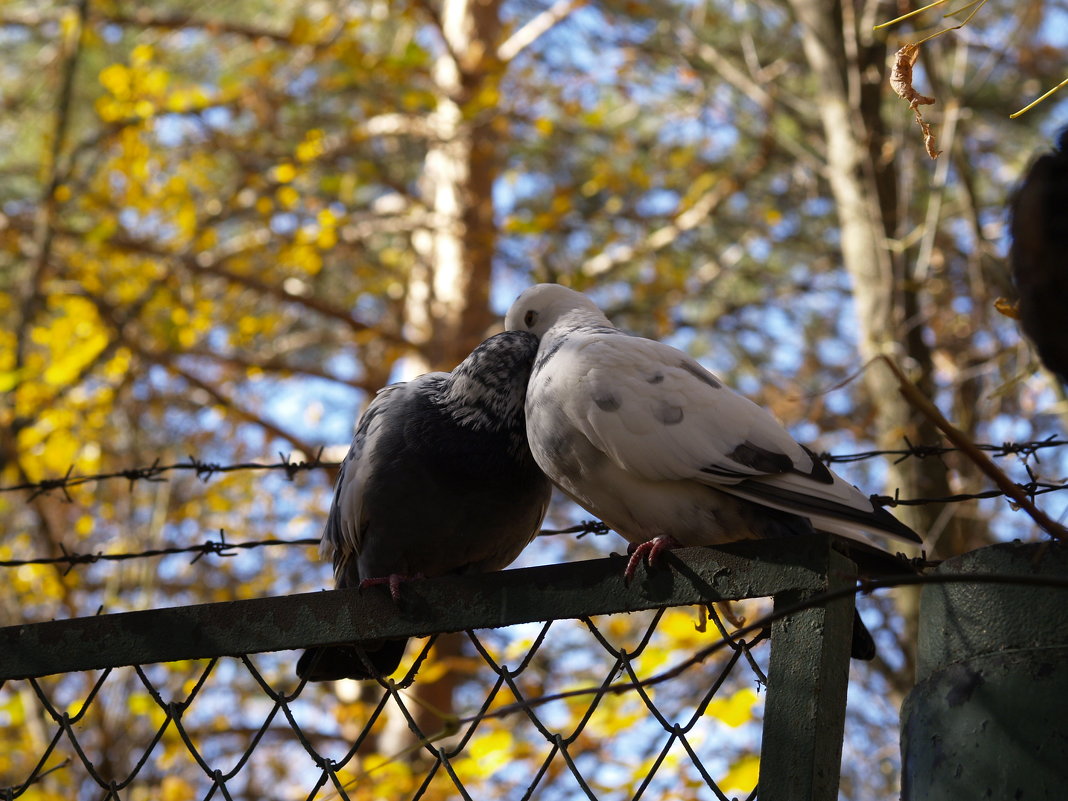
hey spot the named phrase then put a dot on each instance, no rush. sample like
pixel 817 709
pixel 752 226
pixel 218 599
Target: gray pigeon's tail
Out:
pixel 335 662
pixel 871 562
pixel 863 646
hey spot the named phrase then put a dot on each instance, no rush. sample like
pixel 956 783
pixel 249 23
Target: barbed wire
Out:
pixel 204 470
pixel 1025 450
pixel 221 547
pixel 155 472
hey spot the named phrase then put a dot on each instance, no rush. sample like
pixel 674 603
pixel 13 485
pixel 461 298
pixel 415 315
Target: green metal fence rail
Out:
pixel 806 681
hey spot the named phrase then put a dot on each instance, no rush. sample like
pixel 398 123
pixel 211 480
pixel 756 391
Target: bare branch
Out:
pixel 685 221
pixel 169 361
pixel 535 28
pixel 922 403
pixel 275 364
pixel 146 18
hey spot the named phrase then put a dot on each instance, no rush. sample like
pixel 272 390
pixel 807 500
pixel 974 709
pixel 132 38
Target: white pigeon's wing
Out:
pixel 659 415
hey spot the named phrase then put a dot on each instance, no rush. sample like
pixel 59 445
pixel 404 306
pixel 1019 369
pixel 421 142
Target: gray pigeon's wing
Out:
pixel 342 534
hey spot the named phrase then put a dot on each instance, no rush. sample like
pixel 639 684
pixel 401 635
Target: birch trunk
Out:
pixel 448 294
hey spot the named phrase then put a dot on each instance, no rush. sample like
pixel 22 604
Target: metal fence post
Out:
pixel 804 715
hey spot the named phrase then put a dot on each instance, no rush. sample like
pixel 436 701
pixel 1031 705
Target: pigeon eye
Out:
pixel 530 318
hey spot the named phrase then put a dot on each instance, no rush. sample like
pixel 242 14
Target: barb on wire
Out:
pixel 204 470
pixel 1025 450
pixel 155 473
pixel 219 547
pixel 582 529
pixel 1030 489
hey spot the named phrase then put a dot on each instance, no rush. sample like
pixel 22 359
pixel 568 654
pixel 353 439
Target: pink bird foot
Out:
pixel 394 580
pixel 650 551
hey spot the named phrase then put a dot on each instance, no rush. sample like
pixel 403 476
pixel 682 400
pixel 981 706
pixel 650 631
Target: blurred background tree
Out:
pixel 223 225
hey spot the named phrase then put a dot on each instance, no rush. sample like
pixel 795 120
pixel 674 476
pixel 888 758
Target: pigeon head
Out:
pixel 488 388
pixel 542 306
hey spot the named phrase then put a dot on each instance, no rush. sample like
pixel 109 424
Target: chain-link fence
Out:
pixel 99 717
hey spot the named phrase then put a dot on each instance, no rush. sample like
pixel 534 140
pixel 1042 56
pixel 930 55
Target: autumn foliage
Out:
pixel 223 225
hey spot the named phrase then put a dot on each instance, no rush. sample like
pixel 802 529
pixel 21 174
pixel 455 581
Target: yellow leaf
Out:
pixel 9 379
pixel 302 32
pixel 312 147
pixel 327 238
pixel 491 751
pixel 187 219
pixel 141 55
pixel 139 703
pixel 288 197
pixel 84 525
pixel 284 173
pixel 13 710
pixel 116 79
pixel 1007 307
pixel 68 26
pixel 736 710
pixel 156 81
pixel 742 776
pixel 179 100
pixel 174 788
pixel 187 337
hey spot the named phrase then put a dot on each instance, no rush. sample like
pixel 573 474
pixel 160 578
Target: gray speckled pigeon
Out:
pixel 439 479
pixel 641 435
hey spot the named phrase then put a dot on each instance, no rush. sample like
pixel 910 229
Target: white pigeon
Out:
pixel 439 479
pixel 641 435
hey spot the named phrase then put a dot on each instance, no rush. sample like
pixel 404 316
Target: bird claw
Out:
pixel 393 580
pixel 649 551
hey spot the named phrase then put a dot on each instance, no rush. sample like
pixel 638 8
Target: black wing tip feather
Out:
pixel 887 522
pixel 863 646
pixel 878 519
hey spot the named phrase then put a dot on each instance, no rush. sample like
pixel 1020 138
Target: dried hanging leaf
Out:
pixel 1007 307
pixel 901 76
pixel 901 83
pixel 929 141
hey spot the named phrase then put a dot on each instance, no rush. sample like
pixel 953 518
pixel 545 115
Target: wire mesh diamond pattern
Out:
pixel 549 705
pixel 168 731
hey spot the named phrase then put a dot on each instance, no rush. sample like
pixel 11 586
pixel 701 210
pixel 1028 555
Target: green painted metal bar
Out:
pixel 576 589
pixel 804 715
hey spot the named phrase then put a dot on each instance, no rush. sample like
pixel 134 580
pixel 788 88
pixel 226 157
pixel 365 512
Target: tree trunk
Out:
pixel 448 294
pixel 849 69
pixel 863 185
pixel 447 310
